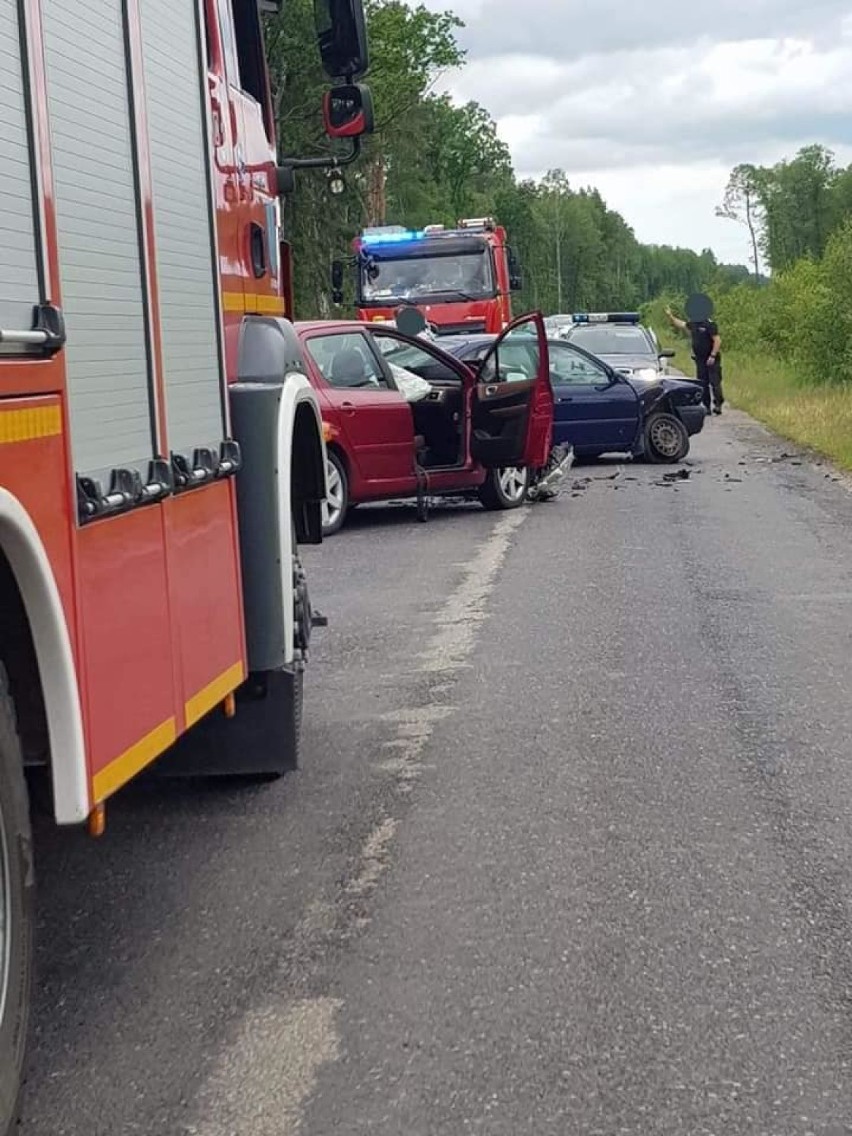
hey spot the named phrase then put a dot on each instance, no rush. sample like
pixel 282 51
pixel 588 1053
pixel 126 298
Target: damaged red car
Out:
pixel 404 419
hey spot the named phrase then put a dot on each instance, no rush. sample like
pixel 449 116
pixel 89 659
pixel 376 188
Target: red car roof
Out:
pixel 304 326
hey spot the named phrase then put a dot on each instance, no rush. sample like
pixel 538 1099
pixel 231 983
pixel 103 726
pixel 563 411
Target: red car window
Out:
pixel 346 360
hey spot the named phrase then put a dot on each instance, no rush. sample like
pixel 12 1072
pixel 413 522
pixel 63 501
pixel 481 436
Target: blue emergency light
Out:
pixel 606 317
pixel 392 238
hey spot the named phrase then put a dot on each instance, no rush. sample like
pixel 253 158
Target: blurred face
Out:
pixel 699 307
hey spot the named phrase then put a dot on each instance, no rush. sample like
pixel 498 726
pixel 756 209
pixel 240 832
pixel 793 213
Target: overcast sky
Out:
pixel 654 104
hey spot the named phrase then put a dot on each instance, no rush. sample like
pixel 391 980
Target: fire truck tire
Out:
pixel 293 689
pixel 295 694
pixel 505 488
pixel 17 911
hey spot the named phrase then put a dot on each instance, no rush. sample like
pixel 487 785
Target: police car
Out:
pixel 619 339
pixel 556 325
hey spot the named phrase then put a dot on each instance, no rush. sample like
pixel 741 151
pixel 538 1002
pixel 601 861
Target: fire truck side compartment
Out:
pixel 19 286
pixel 107 355
pixel 183 224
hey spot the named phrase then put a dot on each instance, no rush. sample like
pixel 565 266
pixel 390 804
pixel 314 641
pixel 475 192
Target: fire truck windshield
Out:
pixel 460 276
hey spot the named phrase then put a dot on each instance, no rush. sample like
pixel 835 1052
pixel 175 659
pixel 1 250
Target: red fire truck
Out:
pixel 461 279
pixel 161 448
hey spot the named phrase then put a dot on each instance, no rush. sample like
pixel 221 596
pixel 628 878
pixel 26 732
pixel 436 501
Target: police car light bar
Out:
pixel 607 317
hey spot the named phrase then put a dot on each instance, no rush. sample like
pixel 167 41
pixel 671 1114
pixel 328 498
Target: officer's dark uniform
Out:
pixel 710 377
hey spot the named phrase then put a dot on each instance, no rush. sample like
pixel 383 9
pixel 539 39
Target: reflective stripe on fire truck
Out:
pixel 134 759
pixel 251 303
pixel 27 424
pixel 213 693
pixel 119 771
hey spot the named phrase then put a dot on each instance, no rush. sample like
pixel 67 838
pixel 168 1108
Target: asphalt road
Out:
pixel 570 852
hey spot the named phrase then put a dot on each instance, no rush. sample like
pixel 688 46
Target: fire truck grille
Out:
pixel 469 327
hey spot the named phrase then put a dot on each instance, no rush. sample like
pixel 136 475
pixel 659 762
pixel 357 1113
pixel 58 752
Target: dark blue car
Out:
pixel 599 411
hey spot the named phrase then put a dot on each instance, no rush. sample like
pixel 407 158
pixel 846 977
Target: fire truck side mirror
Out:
pixel 285 180
pixel 337 281
pixel 341 32
pixel 348 111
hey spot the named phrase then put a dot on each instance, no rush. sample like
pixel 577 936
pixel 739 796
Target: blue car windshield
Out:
pixel 566 364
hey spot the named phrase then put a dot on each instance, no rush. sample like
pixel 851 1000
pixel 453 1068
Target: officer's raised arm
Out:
pixel 674 321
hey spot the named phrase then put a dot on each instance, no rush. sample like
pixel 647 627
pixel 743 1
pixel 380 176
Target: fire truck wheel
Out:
pixel 17 910
pixel 505 488
pixel 336 504
pixel 295 696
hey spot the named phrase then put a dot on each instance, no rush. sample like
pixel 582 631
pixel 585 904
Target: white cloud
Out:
pixel 655 106
pixel 673 205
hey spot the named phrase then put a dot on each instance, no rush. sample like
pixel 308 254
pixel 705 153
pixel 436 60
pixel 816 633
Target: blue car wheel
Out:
pixel 666 439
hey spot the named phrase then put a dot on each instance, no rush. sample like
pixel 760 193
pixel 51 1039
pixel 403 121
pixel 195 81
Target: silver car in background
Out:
pixel 557 325
pixel 619 339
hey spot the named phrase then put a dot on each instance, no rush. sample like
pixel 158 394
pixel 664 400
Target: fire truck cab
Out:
pixel 461 279
pixel 161 448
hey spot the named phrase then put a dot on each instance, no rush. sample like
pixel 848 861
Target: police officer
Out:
pixel 706 348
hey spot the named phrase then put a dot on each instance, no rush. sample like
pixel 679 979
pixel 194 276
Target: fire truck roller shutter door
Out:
pixel 183 225
pixel 98 229
pixel 19 290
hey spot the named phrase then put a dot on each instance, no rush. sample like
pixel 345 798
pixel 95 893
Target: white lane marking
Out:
pixel 457 623
pixel 459 619
pixel 261 1083
pixel 374 857
pixel 263 1079
pixel 414 729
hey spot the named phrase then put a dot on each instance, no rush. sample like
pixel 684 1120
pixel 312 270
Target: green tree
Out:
pixel 741 203
pixel 796 201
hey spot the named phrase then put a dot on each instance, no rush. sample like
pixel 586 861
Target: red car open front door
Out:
pixel 512 409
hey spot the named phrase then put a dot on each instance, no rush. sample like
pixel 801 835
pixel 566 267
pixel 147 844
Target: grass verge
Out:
pixel 818 417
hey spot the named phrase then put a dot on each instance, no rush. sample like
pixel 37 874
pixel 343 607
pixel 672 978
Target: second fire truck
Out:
pixel 161 449
pixel 461 279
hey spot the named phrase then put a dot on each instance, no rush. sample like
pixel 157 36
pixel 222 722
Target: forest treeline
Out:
pixel 431 161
